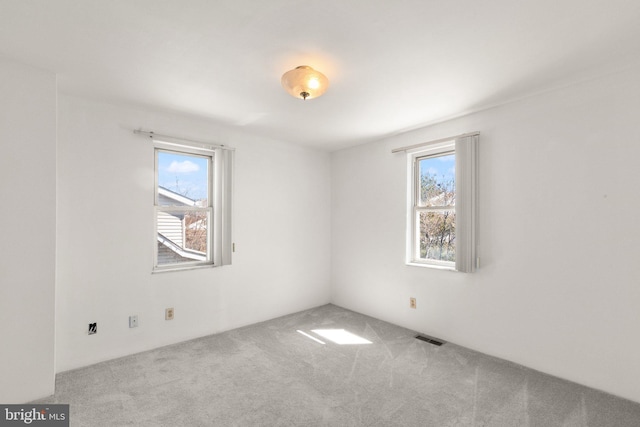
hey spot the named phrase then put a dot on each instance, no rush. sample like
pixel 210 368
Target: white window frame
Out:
pixel 219 203
pixel 413 240
pixel 465 148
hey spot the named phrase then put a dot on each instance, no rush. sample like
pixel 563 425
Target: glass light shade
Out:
pixel 305 82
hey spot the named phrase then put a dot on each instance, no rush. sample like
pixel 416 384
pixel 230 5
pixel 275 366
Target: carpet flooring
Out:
pixel 272 374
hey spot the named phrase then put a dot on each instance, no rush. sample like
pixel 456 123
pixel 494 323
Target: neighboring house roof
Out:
pixel 179 198
pixel 443 199
pixel 172 225
pixel 180 251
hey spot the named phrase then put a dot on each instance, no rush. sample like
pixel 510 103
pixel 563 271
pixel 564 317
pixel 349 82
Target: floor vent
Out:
pixel 430 340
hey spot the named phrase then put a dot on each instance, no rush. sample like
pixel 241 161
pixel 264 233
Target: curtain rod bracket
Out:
pixel 170 138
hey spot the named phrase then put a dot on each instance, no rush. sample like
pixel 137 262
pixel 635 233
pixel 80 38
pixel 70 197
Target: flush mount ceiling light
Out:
pixel 305 82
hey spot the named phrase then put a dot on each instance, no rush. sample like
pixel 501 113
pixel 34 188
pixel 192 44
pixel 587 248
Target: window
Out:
pixel 192 207
pixel 435 208
pixel 442 204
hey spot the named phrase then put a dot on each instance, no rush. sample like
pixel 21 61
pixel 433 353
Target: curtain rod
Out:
pixel 170 139
pixel 422 144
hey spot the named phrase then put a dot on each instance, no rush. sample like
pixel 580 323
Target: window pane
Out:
pixel 183 179
pixel 437 235
pixel 437 180
pixel 196 231
pixel 183 236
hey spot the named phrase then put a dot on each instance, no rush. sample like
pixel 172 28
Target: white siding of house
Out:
pixel 171 227
pixel 167 256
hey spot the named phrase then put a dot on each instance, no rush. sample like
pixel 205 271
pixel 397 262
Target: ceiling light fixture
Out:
pixel 305 82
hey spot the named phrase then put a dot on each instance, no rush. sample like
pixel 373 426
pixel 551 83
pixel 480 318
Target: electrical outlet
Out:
pixel 168 314
pixel 133 321
pixel 412 302
pixel 93 328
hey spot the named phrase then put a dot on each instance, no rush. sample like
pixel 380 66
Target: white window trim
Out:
pixel 220 208
pixel 466 151
pixel 434 150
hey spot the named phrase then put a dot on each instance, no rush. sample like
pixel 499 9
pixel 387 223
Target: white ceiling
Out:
pixel 392 64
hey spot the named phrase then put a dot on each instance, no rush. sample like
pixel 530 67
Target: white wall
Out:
pixel 27 230
pixel 106 236
pixel 559 286
pixel 558 290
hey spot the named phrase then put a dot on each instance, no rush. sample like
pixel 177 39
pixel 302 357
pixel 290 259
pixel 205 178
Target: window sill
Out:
pixel 190 267
pixel 433 266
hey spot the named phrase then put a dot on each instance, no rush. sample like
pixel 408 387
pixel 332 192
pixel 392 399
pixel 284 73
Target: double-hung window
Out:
pixel 192 206
pixel 434 208
pixel 442 204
